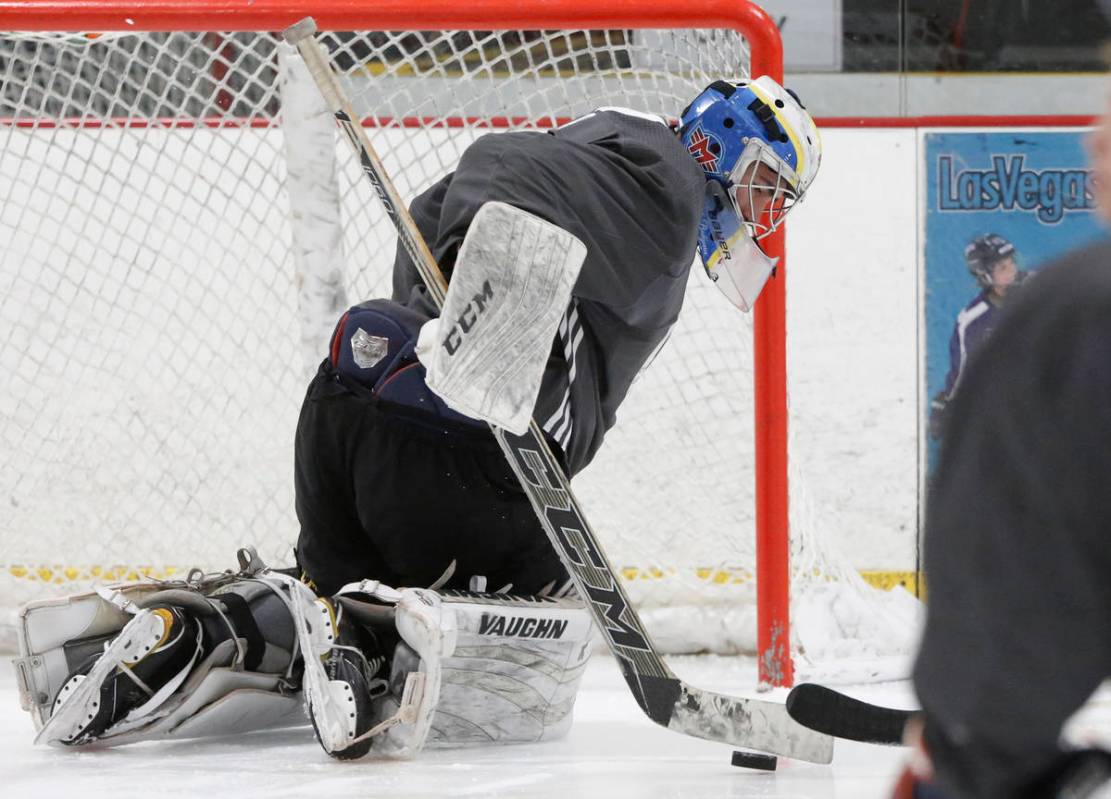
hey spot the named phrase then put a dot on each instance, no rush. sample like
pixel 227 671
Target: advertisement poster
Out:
pixel 991 196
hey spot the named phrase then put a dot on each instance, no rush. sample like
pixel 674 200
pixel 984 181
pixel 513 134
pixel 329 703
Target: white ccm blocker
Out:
pixel 468 668
pixel 517 271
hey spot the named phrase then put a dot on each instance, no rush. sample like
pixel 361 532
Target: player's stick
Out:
pixel 748 723
pixel 832 712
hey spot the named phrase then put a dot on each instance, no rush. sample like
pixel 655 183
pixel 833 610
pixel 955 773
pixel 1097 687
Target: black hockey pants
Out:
pixel 392 492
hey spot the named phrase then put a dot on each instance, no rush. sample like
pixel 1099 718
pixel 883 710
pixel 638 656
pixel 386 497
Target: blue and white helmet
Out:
pixel 760 151
pixel 731 130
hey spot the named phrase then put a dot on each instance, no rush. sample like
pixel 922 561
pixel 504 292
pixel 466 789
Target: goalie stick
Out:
pixel 665 699
pixel 834 713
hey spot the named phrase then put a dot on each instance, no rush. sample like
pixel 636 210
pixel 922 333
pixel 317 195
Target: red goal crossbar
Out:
pixel 772 544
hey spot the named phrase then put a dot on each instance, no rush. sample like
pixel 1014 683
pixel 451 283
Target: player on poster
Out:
pixel 993 262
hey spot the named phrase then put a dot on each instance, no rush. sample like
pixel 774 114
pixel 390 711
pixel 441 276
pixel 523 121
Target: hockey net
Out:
pixel 180 229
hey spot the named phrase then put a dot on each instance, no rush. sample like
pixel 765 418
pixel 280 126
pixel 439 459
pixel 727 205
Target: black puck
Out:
pixel 754 760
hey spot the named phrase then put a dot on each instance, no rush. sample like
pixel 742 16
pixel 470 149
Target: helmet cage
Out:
pixel 755 194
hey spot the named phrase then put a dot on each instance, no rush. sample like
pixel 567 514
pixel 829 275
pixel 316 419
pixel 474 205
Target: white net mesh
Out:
pixel 158 325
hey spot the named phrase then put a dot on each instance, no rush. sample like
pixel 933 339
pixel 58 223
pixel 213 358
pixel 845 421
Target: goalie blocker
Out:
pixel 389 671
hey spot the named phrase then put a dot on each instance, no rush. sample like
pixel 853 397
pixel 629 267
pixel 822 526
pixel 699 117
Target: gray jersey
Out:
pixel 622 183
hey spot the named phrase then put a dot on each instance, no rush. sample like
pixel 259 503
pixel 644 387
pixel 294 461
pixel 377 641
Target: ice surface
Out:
pixel 612 752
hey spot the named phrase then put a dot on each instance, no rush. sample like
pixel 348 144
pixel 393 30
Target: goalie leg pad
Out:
pixel 497 669
pixel 515 671
pixel 137 672
pixel 221 652
pixel 467 668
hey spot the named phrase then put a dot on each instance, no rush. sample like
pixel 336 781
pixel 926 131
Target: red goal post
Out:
pixel 757 28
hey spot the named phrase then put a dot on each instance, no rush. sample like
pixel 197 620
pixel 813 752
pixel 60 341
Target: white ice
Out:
pixel 612 752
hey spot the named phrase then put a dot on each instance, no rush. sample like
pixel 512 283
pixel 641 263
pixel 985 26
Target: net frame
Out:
pixel 771 512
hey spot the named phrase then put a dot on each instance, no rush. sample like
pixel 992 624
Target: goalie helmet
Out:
pixel 732 130
pixel 760 151
pixel 983 253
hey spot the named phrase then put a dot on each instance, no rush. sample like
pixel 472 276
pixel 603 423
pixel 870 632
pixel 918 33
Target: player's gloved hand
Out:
pixel 938 412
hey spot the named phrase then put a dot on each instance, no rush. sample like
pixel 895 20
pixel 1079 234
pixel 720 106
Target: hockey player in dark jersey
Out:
pixel 399 481
pixel 993 262
pixel 1017 554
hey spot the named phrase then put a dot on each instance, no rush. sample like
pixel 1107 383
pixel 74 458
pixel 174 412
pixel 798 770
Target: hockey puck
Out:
pixel 754 760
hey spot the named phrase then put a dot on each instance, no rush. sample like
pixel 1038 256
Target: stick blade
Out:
pixel 753 724
pixel 841 716
pixel 299 30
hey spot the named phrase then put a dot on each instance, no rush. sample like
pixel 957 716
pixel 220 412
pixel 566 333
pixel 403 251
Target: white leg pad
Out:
pixel 428 629
pixel 510 675
pixel 209 696
pixel 46 626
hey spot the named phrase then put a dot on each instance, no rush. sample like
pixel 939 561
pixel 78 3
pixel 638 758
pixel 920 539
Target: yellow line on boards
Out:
pixel 62 574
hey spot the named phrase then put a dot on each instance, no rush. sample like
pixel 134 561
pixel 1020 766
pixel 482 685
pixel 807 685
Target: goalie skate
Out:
pixel 223 660
pixel 338 680
pixel 111 695
pixel 341 686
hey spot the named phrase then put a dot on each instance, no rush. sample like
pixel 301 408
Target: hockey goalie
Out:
pixel 568 255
